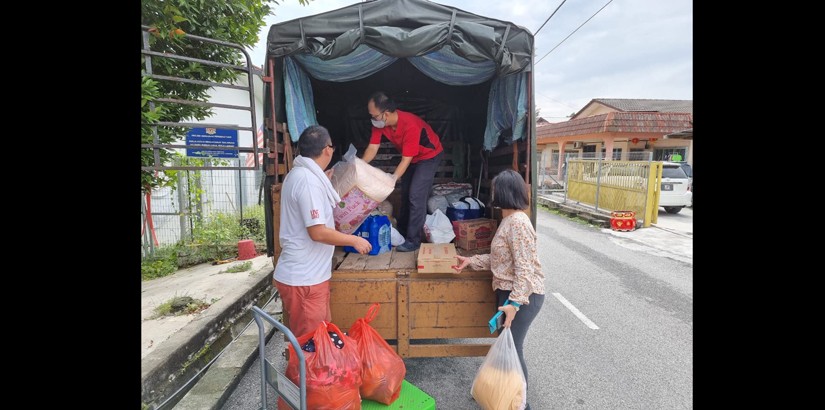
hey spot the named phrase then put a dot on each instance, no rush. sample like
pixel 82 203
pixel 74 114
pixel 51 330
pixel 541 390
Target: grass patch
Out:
pixel 164 262
pixel 180 305
pixel 559 212
pixel 241 267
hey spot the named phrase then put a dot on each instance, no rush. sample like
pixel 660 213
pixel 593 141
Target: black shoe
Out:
pixel 406 247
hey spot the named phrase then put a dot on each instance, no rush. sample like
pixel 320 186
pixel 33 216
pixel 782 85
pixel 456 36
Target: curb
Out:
pixel 172 365
pixel 223 376
pixel 600 219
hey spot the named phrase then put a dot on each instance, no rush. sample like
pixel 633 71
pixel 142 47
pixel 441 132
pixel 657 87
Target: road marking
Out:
pixel 575 311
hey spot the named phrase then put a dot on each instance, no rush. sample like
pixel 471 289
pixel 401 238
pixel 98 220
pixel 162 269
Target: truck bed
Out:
pixel 421 314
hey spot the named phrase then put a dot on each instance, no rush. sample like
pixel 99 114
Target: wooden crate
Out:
pixel 421 315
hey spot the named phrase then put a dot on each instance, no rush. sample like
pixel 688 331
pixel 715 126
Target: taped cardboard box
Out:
pixel 436 258
pixel 474 233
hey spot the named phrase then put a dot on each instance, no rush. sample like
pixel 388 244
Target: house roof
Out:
pixel 618 122
pixel 634 105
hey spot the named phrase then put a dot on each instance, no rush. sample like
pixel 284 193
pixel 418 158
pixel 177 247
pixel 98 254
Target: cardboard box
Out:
pixel 436 258
pixel 474 233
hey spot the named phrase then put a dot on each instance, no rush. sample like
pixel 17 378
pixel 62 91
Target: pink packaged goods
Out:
pixel 353 209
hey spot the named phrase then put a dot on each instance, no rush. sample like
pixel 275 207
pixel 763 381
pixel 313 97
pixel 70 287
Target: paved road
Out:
pixel 616 329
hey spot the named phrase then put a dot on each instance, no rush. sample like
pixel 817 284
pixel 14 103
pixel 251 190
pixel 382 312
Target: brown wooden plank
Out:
pixel 451 292
pixel 403 318
pixel 379 262
pixel 403 260
pixel 362 275
pixel 465 274
pixel 504 151
pixel 344 316
pixel 337 257
pixel 515 155
pixel 450 317
pixel 362 291
pixel 275 193
pixel 445 350
pixel 450 333
pixel 354 261
pixel 270 169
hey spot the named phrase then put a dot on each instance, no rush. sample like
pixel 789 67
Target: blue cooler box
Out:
pixel 460 214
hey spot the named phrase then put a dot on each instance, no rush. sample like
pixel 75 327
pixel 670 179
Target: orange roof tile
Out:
pixel 637 122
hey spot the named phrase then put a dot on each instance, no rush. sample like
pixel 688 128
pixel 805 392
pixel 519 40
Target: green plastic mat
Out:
pixel 411 398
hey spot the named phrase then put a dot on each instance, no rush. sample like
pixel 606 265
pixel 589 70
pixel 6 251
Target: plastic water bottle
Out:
pixel 385 236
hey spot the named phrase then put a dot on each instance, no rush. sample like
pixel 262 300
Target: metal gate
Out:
pixel 156 146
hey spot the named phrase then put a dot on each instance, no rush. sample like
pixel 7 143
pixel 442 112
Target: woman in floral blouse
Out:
pixel 513 259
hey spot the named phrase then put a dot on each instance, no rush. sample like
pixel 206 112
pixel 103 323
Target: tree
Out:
pixel 235 21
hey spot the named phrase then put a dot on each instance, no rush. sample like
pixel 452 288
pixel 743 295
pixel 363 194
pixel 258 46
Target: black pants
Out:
pixel 416 185
pixel 521 324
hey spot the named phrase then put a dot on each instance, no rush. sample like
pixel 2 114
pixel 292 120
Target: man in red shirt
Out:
pixel 421 153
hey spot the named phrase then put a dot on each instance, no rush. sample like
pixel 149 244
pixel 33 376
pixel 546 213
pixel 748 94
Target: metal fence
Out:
pixel 551 181
pixel 168 215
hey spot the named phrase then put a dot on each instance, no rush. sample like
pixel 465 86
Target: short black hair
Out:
pixel 382 102
pixel 509 190
pixel 313 141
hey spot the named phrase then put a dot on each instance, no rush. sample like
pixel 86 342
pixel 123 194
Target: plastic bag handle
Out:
pixel 469 206
pixel 372 312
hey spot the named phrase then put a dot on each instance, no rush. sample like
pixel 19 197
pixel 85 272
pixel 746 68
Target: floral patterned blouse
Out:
pixel 513 259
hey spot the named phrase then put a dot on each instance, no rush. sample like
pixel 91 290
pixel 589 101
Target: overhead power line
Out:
pixel 548 19
pixel 577 29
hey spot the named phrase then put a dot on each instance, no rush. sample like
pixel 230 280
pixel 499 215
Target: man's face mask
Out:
pixel 378 123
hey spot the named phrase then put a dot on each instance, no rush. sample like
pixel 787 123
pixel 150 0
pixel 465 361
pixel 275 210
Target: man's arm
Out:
pixel 321 233
pixel 402 167
pixel 370 152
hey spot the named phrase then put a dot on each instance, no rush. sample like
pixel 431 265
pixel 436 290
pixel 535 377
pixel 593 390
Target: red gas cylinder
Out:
pixel 623 220
pixel 246 249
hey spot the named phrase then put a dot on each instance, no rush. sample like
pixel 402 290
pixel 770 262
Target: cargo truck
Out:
pixel 471 78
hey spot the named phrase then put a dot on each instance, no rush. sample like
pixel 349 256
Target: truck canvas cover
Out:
pixel 447 44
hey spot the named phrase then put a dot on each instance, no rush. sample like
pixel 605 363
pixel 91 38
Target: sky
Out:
pixel 630 49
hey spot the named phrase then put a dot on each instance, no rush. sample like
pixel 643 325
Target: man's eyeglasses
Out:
pixel 331 146
pixel 377 116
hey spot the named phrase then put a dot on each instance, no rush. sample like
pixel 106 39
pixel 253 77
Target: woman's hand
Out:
pixel 463 261
pixel 509 313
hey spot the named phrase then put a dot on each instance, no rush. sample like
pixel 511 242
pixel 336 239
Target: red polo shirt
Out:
pixel 412 137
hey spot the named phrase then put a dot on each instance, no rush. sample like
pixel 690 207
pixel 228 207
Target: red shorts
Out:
pixel 304 306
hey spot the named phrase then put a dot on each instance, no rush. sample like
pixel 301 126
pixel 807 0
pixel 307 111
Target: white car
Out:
pixel 675 192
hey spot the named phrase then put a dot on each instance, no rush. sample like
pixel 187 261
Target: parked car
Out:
pixel 689 171
pixel 676 191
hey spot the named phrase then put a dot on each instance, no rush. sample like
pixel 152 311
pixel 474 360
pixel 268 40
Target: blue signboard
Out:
pixel 214 137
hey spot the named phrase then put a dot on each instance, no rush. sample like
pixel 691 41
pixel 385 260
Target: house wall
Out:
pixel 594 109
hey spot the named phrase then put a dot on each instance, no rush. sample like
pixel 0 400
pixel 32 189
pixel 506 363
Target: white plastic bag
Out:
pixel 499 383
pixel 396 239
pixel 361 187
pixel 438 228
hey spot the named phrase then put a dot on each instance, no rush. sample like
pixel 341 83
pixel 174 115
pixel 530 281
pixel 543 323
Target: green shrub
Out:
pixel 214 238
pixel 162 263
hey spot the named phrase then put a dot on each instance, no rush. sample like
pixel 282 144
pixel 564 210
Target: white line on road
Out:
pixel 575 311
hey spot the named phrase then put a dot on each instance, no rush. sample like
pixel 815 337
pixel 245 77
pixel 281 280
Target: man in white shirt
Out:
pixel 307 234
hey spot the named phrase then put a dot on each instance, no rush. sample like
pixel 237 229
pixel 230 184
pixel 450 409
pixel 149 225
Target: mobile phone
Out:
pixel 496 322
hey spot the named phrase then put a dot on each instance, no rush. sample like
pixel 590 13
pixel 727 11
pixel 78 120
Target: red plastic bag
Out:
pixel 383 369
pixel 333 375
